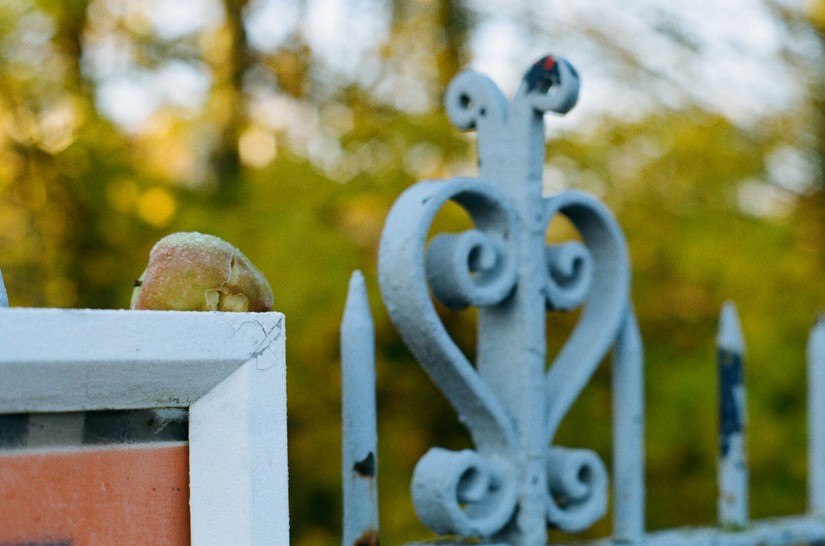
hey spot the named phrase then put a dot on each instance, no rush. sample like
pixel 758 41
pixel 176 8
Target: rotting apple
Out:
pixel 192 271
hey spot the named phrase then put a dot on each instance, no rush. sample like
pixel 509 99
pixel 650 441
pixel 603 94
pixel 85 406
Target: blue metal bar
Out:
pixel 628 434
pixel 733 467
pixel 816 418
pixel 359 436
pixel 4 296
pixel 787 531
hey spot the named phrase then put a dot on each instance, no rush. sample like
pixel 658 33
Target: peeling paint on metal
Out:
pixel 366 466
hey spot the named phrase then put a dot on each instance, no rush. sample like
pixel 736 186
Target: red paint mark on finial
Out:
pixel 369 538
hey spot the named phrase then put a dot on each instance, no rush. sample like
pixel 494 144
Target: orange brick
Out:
pixel 101 496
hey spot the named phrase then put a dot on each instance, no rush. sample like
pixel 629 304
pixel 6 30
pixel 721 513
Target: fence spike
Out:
pixel 4 296
pixel 359 434
pixel 733 466
pixel 730 336
pixel 816 417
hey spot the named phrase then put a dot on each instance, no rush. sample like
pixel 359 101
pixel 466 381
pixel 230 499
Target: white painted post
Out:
pixel 359 435
pixel 238 448
pixel 816 418
pixel 229 369
pixel 733 466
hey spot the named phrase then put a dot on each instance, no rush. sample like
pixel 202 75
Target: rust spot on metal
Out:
pixel 366 467
pixel 369 538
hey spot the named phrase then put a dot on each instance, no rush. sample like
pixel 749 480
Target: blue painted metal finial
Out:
pixel 514 484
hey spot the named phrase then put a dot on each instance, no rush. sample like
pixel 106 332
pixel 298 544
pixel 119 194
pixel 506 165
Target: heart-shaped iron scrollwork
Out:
pixel 595 273
pixel 477 267
pixel 511 404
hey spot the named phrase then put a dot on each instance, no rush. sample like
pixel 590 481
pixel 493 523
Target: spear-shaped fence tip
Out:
pixel 356 310
pixel 359 435
pixel 4 296
pixel 729 337
pixel 732 502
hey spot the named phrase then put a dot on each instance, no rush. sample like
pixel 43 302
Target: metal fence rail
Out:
pixel 516 483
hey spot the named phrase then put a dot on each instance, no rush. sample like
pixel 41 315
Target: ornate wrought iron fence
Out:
pixel 516 483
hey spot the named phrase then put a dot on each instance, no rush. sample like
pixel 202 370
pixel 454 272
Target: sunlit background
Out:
pixel 289 127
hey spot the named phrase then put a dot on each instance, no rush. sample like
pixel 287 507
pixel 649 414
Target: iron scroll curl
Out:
pixel 466 492
pixel 596 274
pixel 606 271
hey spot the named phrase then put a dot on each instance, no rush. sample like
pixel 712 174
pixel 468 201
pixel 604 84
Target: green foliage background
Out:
pixel 83 199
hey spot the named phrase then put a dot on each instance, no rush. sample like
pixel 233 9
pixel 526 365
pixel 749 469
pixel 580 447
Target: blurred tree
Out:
pixel 46 109
pixel 230 64
pixel 438 31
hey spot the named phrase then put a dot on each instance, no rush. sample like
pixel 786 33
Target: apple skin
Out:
pixel 191 271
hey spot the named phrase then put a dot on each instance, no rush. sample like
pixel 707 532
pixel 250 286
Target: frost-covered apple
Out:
pixel 196 272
